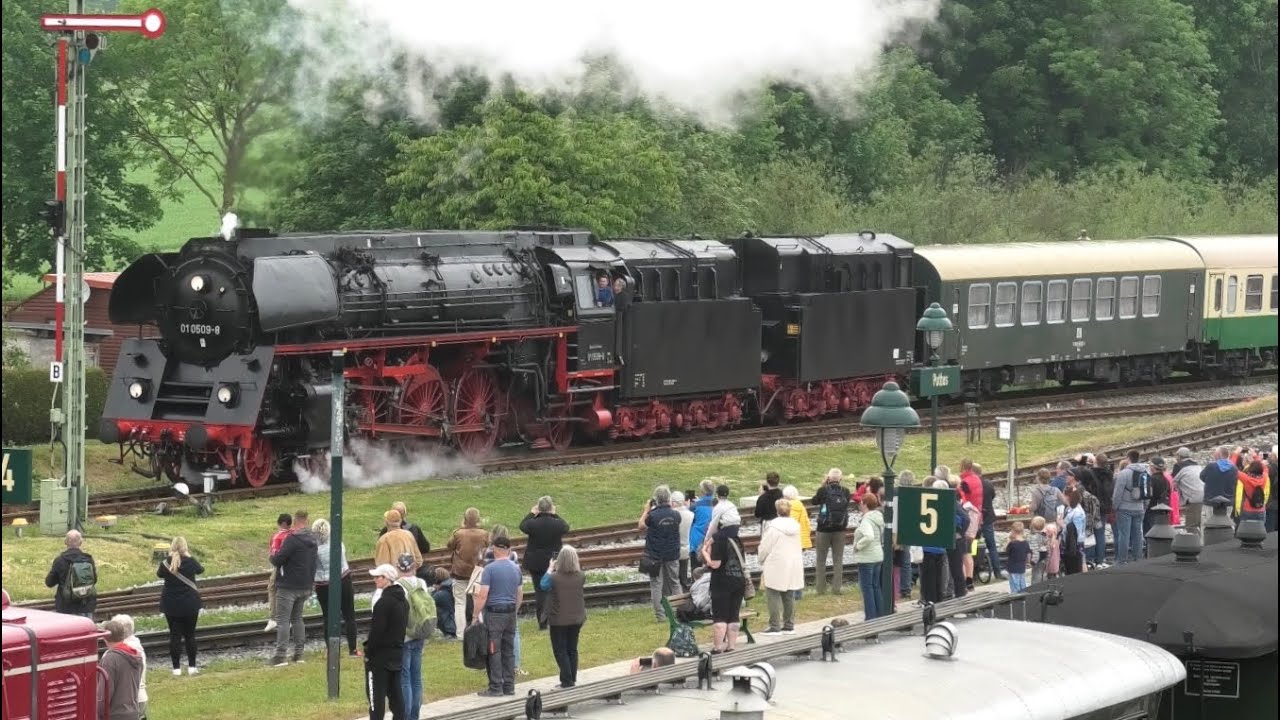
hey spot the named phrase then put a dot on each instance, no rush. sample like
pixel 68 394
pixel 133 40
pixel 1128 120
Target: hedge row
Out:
pixel 24 411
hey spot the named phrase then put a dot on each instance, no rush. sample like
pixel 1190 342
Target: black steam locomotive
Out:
pixel 474 339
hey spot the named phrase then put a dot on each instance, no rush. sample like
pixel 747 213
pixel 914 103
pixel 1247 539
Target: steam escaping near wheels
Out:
pixel 369 464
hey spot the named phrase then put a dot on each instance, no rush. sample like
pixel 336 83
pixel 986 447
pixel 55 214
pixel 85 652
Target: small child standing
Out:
pixel 1053 548
pixel 1019 551
pixel 1039 545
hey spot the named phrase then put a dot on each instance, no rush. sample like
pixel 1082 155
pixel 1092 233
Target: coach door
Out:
pixel 1216 307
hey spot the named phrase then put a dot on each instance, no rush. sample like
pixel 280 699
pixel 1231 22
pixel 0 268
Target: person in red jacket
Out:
pixel 970 490
pixel 1253 490
pixel 284 525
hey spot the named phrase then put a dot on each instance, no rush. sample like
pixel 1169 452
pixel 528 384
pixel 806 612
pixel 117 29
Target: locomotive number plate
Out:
pixel 198 329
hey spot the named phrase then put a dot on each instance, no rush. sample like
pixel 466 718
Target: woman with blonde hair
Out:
pixel 321 529
pixel 565 586
pixel 180 602
pixel 800 514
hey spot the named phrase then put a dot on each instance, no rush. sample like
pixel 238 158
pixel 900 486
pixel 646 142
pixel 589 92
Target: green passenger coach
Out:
pixel 1109 311
pixel 1238 332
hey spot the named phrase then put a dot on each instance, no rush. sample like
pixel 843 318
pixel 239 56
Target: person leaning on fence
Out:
pixel 122 667
pixel 661 548
pixel 131 639
pixel 74 577
pixel 180 603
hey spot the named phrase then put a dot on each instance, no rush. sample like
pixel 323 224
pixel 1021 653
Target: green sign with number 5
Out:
pixel 926 517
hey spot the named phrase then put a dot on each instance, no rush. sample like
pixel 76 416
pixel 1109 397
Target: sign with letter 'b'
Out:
pixel 926 517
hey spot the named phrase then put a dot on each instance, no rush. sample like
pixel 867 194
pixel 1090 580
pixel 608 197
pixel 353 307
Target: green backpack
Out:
pixel 81 583
pixel 422 622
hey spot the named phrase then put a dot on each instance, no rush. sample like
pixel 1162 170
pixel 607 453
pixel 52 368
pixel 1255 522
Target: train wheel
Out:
pixel 424 401
pixel 475 412
pixel 560 434
pixel 257 462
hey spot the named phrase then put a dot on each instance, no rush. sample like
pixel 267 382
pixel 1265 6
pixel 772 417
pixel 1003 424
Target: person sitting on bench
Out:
pixel 699 605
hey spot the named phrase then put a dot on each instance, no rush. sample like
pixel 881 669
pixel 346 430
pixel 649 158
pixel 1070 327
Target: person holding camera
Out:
pixel 767 501
pixel 661 559
pixel 545 530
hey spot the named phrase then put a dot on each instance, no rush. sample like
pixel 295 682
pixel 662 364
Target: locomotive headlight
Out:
pixel 197 283
pixel 227 394
pixel 138 389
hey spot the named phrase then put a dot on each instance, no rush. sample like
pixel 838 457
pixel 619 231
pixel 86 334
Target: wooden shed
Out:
pixel 30 324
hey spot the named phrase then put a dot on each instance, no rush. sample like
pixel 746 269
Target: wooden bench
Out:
pixel 673 603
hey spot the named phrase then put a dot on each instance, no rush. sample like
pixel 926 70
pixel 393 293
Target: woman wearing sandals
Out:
pixel 180 603
pixel 722 552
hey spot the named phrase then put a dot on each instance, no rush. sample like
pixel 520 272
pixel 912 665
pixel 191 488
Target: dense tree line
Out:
pixel 1010 119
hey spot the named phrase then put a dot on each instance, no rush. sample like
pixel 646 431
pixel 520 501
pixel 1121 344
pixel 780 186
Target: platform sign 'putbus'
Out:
pixel 926 517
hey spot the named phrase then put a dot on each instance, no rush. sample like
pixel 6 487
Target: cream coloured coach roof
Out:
pixel 1071 257
pixel 1228 251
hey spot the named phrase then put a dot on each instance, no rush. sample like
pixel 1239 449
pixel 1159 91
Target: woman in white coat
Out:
pixel 782 569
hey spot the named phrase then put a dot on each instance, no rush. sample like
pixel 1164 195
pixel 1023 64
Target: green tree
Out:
pixel 1072 84
pixel 524 166
pixel 113 204
pixel 214 84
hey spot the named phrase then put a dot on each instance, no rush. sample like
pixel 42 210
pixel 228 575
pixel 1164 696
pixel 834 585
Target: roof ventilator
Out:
pixel 1186 547
pixel 1251 534
pixel 753 687
pixel 941 641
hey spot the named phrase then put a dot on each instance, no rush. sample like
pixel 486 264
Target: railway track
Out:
pixel 233 636
pixel 951 418
pixel 607 546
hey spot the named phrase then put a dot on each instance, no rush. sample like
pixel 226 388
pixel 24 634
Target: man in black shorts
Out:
pixel 723 555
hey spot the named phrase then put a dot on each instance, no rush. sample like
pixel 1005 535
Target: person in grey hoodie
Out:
pixel 122 667
pixel 1186 477
pixel 1130 511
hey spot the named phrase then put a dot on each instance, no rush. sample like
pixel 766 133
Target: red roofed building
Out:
pixel 29 324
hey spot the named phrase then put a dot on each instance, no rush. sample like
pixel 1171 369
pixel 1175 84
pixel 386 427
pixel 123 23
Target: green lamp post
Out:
pixel 934 324
pixel 890 415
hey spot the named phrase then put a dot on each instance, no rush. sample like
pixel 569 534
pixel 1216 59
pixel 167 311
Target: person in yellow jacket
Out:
pixel 1253 490
pixel 800 514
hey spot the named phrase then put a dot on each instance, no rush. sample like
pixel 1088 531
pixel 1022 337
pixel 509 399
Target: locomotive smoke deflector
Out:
pixel 294 291
pixel 133 297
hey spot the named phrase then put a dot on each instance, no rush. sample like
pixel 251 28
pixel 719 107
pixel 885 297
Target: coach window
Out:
pixel 1233 288
pixel 1032 300
pixel 1081 296
pixel 1151 296
pixel 1275 292
pixel 1006 301
pixel 1055 309
pixel 1253 293
pixel 1104 307
pixel 979 306
pixel 1217 295
pixel 1128 297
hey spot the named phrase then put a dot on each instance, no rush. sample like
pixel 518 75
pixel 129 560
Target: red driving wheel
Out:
pixel 257 462
pixel 475 412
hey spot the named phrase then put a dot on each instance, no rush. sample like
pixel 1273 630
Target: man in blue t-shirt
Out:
pixel 498 599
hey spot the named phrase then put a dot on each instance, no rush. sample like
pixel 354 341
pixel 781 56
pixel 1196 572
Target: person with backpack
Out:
pixel 419 624
pixel 1129 498
pixel 1253 491
pixel 1094 538
pixel 832 501
pixel 75 577
pixel 384 648
pixel 1046 500
pixel 565 586
pixel 1073 533
pixel 180 603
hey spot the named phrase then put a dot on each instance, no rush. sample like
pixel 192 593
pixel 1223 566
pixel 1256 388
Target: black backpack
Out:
pixel 1071 545
pixel 475 646
pixel 834 512
pixel 1140 485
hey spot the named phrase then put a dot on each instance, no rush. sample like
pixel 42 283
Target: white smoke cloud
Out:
pixel 368 464
pixel 694 54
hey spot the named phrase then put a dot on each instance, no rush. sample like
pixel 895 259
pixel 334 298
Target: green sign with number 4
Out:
pixel 926 517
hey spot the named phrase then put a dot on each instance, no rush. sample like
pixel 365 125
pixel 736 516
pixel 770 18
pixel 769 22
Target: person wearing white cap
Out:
pixel 383 650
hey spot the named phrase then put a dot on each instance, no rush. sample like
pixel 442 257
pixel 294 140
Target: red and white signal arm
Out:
pixel 149 24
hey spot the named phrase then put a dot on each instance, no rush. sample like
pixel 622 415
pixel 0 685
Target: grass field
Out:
pixel 235 539
pixel 236 689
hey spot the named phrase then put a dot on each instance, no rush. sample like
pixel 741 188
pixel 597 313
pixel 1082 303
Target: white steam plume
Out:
pixel 694 54
pixel 230 223
pixel 366 465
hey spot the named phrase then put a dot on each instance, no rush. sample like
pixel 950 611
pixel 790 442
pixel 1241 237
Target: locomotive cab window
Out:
pixel 1104 306
pixel 1032 300
pixel 1128 297
pixel 1253 293
pixel 1055 309
pixel 1151 296
pixel 595 290
pixel 979 306
pixel 1233 288
pixel 1081 292
pixel 1006 301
